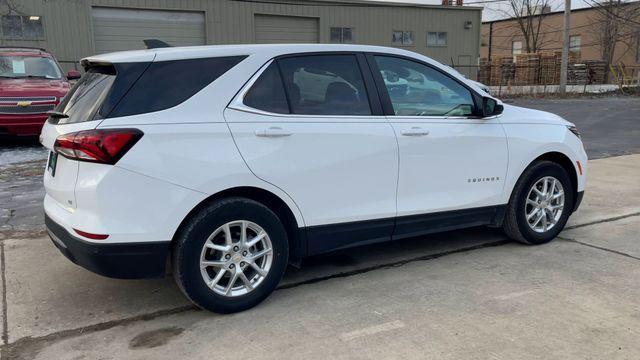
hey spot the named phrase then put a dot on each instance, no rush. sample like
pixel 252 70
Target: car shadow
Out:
pixel 351 261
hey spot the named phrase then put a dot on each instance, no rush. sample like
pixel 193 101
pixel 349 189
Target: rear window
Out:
pixel 85 98
pixel 125 89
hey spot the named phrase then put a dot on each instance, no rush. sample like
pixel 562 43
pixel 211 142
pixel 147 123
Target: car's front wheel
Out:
pixel 540 204
pixel 231 255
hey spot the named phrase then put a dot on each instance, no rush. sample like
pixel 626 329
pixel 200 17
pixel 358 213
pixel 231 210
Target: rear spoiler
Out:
pixel 88 63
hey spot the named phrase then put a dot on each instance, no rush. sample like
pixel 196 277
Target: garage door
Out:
pixel 124 29
pixel 271 29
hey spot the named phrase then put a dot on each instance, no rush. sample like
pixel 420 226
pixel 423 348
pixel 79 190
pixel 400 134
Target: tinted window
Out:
pixel 325 85
pixel 85 98
pixel 166 84
pixel 419 90
pixel 267 93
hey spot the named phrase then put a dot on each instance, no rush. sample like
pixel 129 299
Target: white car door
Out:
pixel 449 159
pixel 306 125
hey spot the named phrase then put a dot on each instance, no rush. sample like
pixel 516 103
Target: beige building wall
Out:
pixel 584 23
pixel 69 35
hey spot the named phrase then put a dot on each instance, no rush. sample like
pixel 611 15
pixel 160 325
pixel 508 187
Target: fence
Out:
pixel 540 73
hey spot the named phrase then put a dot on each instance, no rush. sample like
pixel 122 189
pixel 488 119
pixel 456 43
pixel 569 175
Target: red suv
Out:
pixel 31 83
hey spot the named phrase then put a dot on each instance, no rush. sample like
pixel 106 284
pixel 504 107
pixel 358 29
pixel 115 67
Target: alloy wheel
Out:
pixel 544 204
pixel 236 258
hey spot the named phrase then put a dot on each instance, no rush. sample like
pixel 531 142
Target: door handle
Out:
pixel 273 131
pixel 415 131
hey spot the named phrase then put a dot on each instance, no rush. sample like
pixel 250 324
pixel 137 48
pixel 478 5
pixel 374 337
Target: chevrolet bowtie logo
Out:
pixel 24 103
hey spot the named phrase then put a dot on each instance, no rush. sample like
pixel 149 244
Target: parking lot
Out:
pixel 468 294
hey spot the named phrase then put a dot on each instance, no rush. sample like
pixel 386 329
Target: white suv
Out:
pixel 233 161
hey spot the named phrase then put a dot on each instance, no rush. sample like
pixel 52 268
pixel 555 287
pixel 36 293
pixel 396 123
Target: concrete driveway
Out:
pixel 467 294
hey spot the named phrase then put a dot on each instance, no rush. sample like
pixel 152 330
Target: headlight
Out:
pixel 574 130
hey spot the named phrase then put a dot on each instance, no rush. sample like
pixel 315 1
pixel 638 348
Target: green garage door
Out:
pixel 272 29
pixel 116 29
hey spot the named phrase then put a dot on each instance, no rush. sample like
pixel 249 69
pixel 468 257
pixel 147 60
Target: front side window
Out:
pixel 436 38
pixel 324 85
pixel 419 90
pixel 29 67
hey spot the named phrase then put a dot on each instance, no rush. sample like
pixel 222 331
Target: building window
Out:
pixel 403 38
pixel 22 27
pixel 436 39
pixel 341 35
pixel 516 47
pixel 574 43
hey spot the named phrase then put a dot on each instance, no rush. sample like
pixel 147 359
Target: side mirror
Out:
pixel 73 75
pixel 490 107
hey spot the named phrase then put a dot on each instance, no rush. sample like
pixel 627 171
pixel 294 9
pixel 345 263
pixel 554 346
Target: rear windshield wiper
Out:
pixel 57 114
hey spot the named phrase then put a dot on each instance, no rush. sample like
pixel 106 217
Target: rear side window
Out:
pixel 166 84
pixel 267 93
pixel 324 85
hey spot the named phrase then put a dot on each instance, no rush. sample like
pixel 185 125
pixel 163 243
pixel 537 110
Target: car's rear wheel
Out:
pixel 231 255
pixel 540 204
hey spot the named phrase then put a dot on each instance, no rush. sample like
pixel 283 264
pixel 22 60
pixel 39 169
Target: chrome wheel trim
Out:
pixel 544 204
pixel 236 258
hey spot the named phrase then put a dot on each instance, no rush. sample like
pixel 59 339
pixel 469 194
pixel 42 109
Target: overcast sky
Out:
pixel 492 10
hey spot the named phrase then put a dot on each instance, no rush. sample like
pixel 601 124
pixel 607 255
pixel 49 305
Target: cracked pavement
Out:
pixel 468 294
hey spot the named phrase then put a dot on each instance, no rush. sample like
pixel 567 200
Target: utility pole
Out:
pixel 564 66
pixel 490 39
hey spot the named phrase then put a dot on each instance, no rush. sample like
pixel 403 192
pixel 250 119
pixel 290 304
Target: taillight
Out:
pixel 105 146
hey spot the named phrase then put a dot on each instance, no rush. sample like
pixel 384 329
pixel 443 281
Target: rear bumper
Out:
pixel 22 125
pixel 121 261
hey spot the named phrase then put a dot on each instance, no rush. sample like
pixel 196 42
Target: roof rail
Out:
pixel 27 48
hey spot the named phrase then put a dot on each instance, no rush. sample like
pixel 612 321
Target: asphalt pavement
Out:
pixel 610 126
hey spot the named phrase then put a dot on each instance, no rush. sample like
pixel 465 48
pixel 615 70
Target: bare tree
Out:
pixel 529 19
pixel 615 22
pixel 8 7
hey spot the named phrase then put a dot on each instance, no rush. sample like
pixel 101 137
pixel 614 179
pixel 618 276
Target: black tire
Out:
pixel 190 241
pixel 515 222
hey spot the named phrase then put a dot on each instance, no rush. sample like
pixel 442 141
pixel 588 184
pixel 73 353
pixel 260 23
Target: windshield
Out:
pixel 17 67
